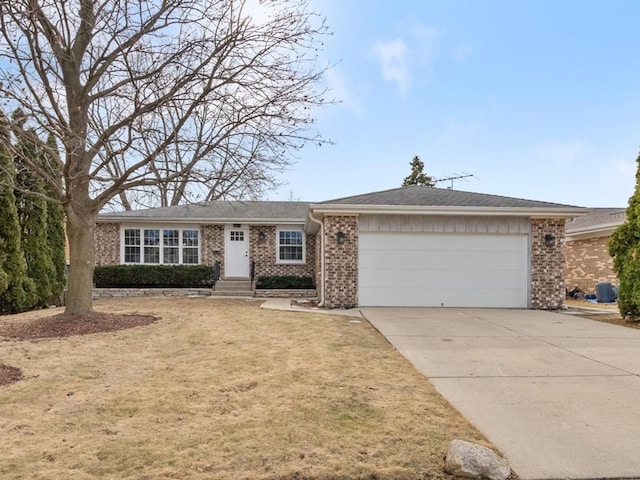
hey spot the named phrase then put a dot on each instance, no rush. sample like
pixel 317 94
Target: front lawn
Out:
pixel 220 389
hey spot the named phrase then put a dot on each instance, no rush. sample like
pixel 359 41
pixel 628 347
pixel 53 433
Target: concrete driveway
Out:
pixel 558 395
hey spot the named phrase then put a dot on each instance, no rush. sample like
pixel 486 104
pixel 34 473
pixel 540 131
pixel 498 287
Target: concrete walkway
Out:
pixel 558 395
pixel 288 304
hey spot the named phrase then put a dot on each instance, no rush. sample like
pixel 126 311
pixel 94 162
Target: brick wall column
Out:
pixel 547 264
pixel 341 262
pixel 107 240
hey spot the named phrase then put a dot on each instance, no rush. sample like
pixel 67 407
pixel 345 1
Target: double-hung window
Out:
pixel 290 246
pixel 169 246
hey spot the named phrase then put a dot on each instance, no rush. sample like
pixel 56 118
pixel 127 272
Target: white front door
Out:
pixel 236 258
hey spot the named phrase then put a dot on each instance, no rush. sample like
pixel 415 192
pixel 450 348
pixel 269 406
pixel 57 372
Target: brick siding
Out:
pixel 107 239
pixel 318 262
pixel 547 265
pixel 263 252
pixel 341 262
pixel 212 245
pixel 587 263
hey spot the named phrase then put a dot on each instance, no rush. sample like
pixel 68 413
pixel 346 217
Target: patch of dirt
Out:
pixel 58 326
pixel 9 374
pixel 62 325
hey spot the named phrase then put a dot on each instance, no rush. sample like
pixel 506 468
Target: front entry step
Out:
pixel 232 288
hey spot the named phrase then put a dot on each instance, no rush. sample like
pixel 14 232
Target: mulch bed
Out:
pixel 58 326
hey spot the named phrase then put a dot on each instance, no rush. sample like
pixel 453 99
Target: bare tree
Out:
pixel 165 100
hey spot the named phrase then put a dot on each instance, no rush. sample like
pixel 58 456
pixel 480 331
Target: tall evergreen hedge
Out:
pixel 55 223
pixel 20 289
pixel 32 213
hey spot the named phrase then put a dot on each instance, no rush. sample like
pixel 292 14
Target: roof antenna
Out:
pixel 455 177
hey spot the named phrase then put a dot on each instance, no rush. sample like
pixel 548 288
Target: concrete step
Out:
pixel 240 287
pixel 239 293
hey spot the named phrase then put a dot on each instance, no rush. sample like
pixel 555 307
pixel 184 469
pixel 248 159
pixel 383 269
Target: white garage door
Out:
pixel 450 270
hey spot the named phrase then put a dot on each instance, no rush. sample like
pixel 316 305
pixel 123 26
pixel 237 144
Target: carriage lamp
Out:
pixel 549 240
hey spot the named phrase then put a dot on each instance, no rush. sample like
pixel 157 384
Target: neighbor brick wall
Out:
pixel 588 262
pixel 107 239
pixel 263 252
pixel 341 262
pixel 547 265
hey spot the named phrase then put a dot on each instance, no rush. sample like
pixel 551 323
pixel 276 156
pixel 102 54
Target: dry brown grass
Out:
pixel 220 389
pixel 602 312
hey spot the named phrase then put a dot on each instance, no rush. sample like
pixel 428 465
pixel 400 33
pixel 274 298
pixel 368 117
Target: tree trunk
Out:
pixel 80 232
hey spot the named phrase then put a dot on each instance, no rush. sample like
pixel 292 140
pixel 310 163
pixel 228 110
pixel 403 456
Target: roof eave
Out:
pixel 595 231
pixel 533 212
pixel 205 221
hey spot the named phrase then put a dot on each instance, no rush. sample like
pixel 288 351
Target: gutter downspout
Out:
pixel 321 233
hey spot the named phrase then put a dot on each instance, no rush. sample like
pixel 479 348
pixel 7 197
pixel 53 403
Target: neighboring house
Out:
pixel 587 255
pixel 409 246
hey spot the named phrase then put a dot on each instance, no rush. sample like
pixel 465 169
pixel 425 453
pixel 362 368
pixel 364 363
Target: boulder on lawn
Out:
pixel 466 459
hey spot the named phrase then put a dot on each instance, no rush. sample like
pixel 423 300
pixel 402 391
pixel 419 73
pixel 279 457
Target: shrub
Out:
pixel 284 282
pixel 153 276
pixel 624 247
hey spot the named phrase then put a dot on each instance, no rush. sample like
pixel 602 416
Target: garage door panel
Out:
pixel 438 259
pixel 454 242
pixel 442 278
pixel 472 270
pixel 417 297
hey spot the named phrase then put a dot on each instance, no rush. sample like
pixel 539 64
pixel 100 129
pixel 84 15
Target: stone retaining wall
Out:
pixel 195 292
pixel 285 293
pixel 150 292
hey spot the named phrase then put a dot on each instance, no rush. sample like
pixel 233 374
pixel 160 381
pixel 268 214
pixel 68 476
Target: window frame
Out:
pixel 281 261
pixel 183 243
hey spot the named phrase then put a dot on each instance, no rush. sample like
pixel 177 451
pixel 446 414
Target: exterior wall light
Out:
pixel 261 236
pixel 341 237
pixel 549 240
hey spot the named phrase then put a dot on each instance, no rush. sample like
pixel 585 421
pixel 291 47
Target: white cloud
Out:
pixel 617 181
pixel 427 42
pixel 403 58
pixel 258 10
pixel 624 167
pixel 340 91
pixel 463 51
pixel 393 57
pixel 562 154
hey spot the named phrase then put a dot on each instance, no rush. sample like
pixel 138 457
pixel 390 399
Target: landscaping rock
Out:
pixel 466 459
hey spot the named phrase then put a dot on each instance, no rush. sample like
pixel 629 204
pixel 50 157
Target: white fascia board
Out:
pixel 552 212
pixel 584 233
pixel 204 221
pixel 595 228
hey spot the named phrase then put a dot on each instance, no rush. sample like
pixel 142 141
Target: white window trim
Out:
pixel 304 246
pixel 160 227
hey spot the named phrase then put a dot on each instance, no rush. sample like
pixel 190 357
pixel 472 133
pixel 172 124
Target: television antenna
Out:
pixel 454 177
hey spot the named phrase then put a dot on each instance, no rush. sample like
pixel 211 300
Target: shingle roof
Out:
pixel 220 210
pixel 272 212
pixel 417 195
pixel 596 218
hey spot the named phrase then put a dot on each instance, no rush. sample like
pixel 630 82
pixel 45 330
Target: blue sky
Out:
pixel 537 99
